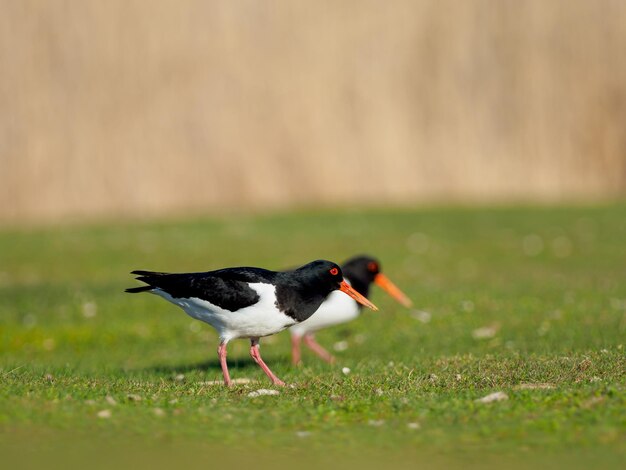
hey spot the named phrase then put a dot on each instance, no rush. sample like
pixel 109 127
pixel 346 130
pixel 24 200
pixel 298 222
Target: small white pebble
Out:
pixel 90 309
pixel 376 422
pixel 496 396
pixel 261 392
pixel 421 316
pixel 303 434
pixel 485 332
pixel 535 386
pixel 345 370
pixel 179 377
pixel 159 412
pixel 104 414
pixel 413 425
pixel 458 377
pixel 134 397
pixel 110 400
pixel 238 381
pixel 340 346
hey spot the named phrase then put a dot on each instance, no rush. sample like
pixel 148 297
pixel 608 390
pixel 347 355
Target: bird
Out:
pixel 360 271
pixel 249 302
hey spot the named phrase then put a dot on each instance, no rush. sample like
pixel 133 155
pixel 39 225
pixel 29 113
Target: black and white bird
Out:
pixel 250 302
pixel 360 271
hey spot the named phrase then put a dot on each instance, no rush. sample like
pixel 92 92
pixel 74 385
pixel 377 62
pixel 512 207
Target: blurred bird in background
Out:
pixel 360 271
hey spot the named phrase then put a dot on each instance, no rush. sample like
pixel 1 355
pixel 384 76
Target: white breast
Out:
pixel 260 319
pixel 336 309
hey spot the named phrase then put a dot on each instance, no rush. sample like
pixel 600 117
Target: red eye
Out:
pixel 373 267
pixel 334 271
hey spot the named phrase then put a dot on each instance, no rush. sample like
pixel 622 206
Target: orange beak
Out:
pixel 345 287
pixel 391 289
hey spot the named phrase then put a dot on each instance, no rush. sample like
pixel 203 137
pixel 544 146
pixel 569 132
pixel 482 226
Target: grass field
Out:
pixel 527 301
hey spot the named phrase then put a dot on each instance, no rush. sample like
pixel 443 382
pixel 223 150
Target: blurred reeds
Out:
pixel 127 107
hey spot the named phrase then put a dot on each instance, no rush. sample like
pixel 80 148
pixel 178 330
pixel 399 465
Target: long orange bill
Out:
pixel 345 287
pixel 391 289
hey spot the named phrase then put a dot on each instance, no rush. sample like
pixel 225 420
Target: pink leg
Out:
pixel 256 355
pixel 295 350
pixel 221 352
pixel 309 340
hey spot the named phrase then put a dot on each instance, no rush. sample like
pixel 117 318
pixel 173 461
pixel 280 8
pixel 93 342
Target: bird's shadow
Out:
pixel 214 364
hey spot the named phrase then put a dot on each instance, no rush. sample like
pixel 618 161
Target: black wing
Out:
pixel 227 288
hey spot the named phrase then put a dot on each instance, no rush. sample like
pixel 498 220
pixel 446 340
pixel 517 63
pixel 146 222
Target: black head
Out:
pixel 324 276
pixel 364 270
pixel 361 271
pixel 300 292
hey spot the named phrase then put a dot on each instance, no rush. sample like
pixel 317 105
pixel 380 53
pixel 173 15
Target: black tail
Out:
pixel 148 273
pixel 134 290
pixel 145 276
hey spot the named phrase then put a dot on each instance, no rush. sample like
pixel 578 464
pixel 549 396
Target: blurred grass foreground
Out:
pixel 124 107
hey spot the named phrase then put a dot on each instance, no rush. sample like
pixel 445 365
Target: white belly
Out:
pixel 260 319
pixel 336 309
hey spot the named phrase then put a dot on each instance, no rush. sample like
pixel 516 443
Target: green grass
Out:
pixel 549 282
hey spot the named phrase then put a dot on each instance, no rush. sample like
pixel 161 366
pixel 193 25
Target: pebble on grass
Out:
pixel 303 434
pixel 413 426
pixel 239 381
pixel 110 400
pixel 376 422
pixel 90 309
pixel 485 332
pixel 537 386
pixel 262 392
pixel 134 397
pixel 104 414
pixel 345 370
pixel 496 396
pixel 421 315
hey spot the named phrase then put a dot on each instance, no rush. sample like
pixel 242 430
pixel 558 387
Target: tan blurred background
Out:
pixel 114 108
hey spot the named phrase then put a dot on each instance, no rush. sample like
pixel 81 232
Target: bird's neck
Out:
pixel 298 301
